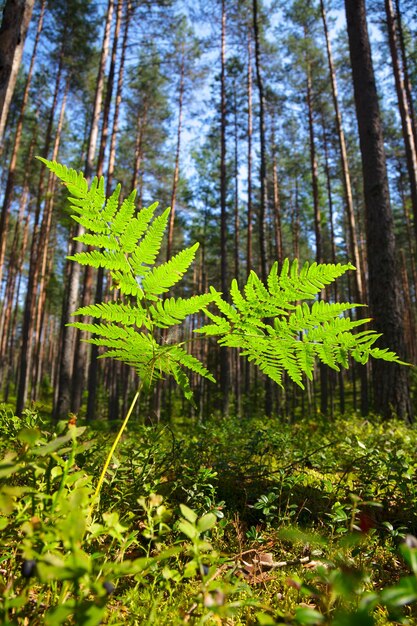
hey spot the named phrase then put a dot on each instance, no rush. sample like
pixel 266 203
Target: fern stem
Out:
pixel 113 448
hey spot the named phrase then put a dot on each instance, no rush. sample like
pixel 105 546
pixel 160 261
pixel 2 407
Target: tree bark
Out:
pixel 35 252
pixel 224 363
pixel 8 194
pixel 350 213
pixel 177 158
pixel 16 18
pixel 93 368
pixel 406 122
pixel 250 132
pixel 264 185
pixel 63 397
pixel 390 381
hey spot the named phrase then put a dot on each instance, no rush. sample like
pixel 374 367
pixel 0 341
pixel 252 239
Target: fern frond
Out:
pixel 111 206
pixel 127 284
pixel 99 240
pixel 75 181
pixel 164 276
pixel 125 214
pixel 166 313
pixel 180 356
pixel 149 247
pixel 114 312
pixel 136 228
pixel 110 260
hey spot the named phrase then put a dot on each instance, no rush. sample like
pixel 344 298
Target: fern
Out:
pixel 273 330
pixel 127 245
pixel 281 326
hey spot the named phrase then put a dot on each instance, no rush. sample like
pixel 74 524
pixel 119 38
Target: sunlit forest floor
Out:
pixel 248 521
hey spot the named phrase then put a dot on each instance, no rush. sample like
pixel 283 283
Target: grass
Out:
pixel 227 522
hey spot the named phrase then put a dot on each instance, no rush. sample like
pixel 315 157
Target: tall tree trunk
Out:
pixel 390 381
pixel 317 216
pixel 63 397
pixel 264 185
pixel 16 18
pixel 93 368
pixel 262 133
pixel 277 199
pixel 17 256
pixel 314 169
pixel 80 366
pixel 224 363
pixel 177 158
pixel 250 132
pixel 237 360
pixel 140 127
pixel 45 258
pixel 249 207
pixel 35 253
pixel 353 239
pixel 406 74
pixel 406 123
pixel 8 194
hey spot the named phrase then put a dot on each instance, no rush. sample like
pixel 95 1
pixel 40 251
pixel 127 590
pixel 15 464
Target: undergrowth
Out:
pixel 236 522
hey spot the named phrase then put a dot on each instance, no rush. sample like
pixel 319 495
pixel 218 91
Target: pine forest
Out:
pixel 208 312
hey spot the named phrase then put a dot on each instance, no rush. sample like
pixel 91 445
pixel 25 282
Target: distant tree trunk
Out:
pixel 317 218
pixel 224 363
pixel 314 169
pixel 35 252
pixel 16 259
pixel 236 248
pixel 8 193
pixel 177 158
pixel 295 221
pixel 406 121
pixel 390 382
pixel 277 199
pixel 406 74
pixel 410 331
pixel 249 206
pixel 353 239
pixel 353 247
pixel 93 368
pixel 408 226
pixel 45 257
pixel 16 18
pixel 250 132
pixel 262 132
pixel 141 125
pixel 264 185
pixel 63 398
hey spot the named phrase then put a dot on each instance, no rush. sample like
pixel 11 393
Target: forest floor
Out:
pixel 237 521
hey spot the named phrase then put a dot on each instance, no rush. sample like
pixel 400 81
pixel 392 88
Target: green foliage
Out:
pixel 270 324
pixel 127 245
pixel 156 550
pixel 271 328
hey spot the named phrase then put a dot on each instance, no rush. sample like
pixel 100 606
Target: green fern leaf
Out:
pixel 114 312
pixel 74 180
pixel 111 206
pixel 149 247
pixel 136 228
pixel 111 260
pixel 125 214
pixel 180 356
pixel 166 313
pixel 161 278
